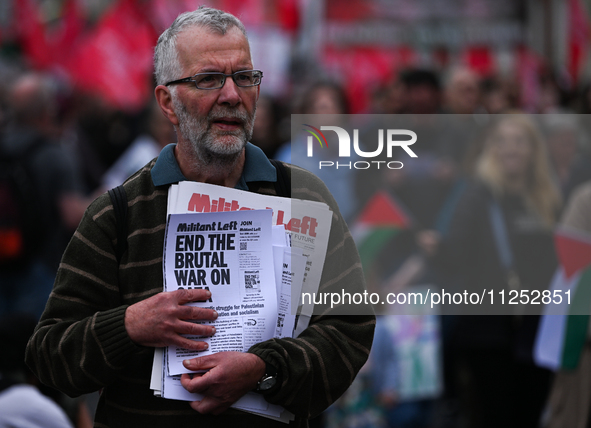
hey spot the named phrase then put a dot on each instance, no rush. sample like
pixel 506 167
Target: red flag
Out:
pixel 382 210
pixel 115 59
pixel 31 33
pixel 480 60
pixel 379 222
pixel 71 28
pixel 578 37
pixel 43 46
pixel 574 251
pixel 289 15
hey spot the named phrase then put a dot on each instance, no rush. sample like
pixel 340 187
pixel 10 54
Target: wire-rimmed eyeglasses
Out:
pixel 215 80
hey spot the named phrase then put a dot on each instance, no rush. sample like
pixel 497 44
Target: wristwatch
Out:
pixel 269 379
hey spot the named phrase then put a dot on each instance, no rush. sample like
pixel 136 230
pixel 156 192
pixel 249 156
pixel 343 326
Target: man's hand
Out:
pixel 230 376
pixel 161 319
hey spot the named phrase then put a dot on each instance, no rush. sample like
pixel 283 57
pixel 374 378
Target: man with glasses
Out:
pixel 105 316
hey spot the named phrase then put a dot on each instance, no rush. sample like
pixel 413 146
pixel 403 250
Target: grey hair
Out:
pixel 167 66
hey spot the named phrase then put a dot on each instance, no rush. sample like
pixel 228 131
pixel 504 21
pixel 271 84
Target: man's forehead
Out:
pixel 204 38
pixel 200 47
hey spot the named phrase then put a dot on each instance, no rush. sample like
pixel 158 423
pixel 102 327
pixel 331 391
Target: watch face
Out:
pixel 267 383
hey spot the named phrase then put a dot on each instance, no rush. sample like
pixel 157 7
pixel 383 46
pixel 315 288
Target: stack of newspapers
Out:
pixel 258 255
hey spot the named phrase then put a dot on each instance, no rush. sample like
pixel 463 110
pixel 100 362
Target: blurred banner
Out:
pixel 363 45
pixel 115 59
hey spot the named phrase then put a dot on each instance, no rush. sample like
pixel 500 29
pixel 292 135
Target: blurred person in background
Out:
pixel 389 99
pixel 424 183
pixel 324 98
pixel 265 134
pixel 22 403
pixel 495 98
pixel 31 138
pixel 463 97
pixel 497 382
pixel 566 141
pixel 100 133
pixel 158 133
pixel 570 398
pixel 404 364
pixel 462 91
pixel 583 100
pixel 423 91
pixel 553 97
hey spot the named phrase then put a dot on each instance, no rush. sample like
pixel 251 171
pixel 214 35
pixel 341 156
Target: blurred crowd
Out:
pixel 478 371
pixel 484 198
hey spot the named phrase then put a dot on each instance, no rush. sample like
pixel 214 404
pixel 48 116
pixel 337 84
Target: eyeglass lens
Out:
pixel 217 80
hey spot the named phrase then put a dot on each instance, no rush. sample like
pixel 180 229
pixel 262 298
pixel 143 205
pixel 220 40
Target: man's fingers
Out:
pixel 202 363
pixel 210 405
pixel 194 345
pixel 187 296
pixel 159 320
pixel 195 329
pixel 196 313
pixel 195 405
pixel 231 375
pixel 192 382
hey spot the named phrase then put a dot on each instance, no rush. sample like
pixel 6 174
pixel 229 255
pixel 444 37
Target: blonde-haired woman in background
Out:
pixel 499 239
pixel 515 161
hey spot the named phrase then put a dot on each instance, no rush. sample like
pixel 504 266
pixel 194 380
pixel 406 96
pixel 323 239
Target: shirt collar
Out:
pixel 256 168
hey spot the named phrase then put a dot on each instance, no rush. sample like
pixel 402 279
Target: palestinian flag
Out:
pixel 380 221
pixel 563 327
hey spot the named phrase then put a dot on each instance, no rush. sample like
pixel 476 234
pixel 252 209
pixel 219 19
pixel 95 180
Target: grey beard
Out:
pixel 209 151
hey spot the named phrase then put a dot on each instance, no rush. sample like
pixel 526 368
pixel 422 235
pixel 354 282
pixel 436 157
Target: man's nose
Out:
pixel 229 93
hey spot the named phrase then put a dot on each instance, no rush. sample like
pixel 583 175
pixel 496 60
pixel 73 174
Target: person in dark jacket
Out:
pixel 497 382
pixel 105 316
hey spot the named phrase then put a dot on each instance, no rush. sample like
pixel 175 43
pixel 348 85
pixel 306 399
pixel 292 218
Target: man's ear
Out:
pixel 164 99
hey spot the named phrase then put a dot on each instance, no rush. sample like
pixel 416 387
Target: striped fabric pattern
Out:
pixel 81 344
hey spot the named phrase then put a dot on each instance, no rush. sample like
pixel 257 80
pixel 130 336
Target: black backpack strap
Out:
pixel 119 200
pixel 283 183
